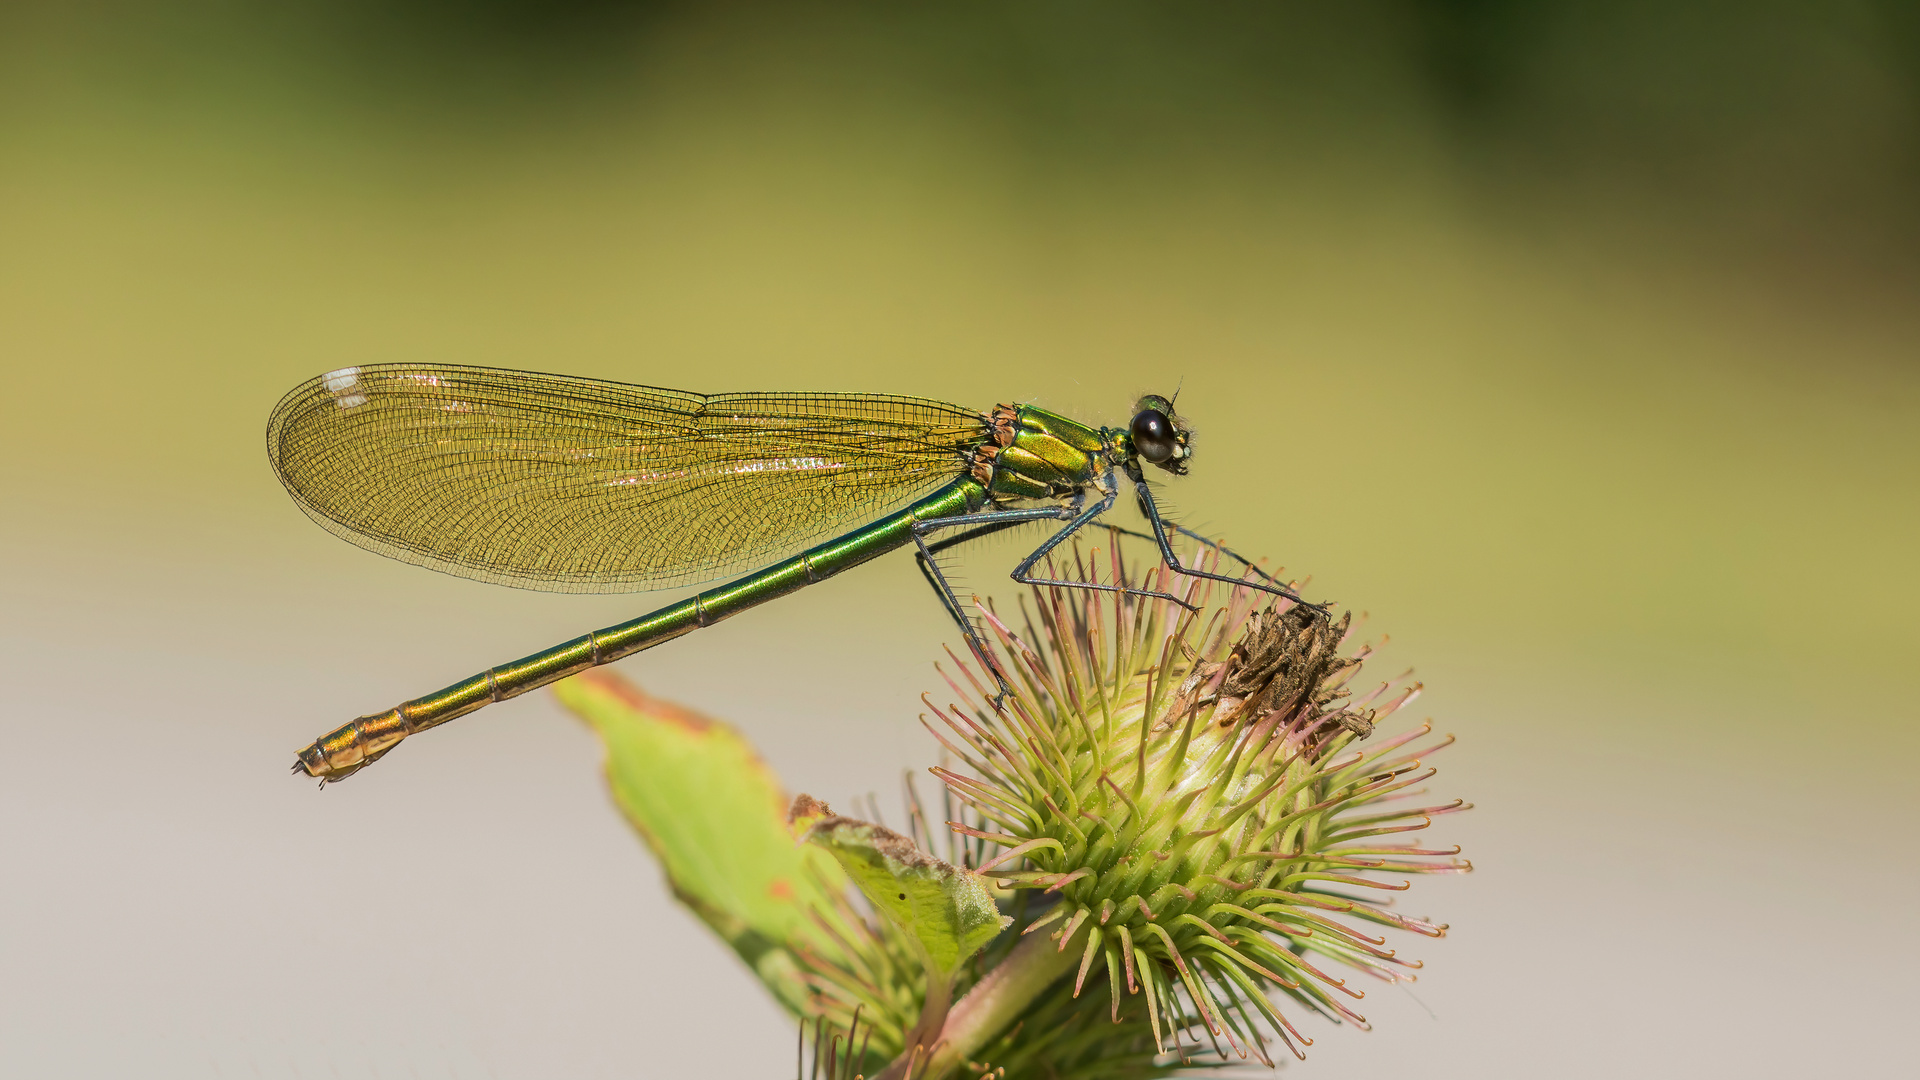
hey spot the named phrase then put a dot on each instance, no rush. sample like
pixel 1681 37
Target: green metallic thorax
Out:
pixel 1036 454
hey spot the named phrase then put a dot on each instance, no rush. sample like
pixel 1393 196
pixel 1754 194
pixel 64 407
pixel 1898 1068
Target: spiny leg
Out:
pixel 936 580
pixel 1214 544
pixel 1173 563
pixel 978 525
pixel 991 521
pixel 1024 572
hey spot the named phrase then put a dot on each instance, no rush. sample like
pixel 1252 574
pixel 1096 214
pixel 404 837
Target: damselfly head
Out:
pixel 1159 435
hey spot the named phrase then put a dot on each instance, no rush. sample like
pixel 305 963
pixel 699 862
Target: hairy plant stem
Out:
pixel 933 1018
pixel 995 1002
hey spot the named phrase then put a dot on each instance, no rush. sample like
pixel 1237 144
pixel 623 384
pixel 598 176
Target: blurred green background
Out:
pixel 1574 342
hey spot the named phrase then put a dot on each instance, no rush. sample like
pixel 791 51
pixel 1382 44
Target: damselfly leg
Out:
pixel 1172 561
pixel 1202 539
pixel 985 524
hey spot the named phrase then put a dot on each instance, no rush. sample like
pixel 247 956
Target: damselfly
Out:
pixel 581 485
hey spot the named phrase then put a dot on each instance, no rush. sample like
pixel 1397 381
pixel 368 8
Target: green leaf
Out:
pixel 712 812
pixel 946 910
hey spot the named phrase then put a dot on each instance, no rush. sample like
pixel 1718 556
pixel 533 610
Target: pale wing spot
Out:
pixel 343 384
pixel 787 465
pixel 649 477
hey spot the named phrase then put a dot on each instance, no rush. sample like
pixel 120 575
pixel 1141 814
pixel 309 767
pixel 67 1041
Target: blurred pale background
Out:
pixel 1575 342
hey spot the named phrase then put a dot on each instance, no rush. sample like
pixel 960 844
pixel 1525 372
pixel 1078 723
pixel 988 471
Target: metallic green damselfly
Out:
pixel 581 485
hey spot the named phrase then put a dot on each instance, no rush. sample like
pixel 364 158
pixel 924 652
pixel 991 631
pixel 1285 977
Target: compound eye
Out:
pixel 1153 436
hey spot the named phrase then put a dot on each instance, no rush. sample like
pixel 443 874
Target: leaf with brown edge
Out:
pixel 714 815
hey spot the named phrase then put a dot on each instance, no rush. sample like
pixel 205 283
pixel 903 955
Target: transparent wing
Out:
pixel 578 485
